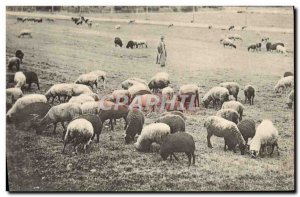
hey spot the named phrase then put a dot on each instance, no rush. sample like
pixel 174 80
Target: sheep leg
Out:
pixel 111 125
pixel 62 124
pixel 125 123
pixel 65 144
pixel 225 144
pixel 175 156
pixel 54 130
pixel 208 140
pixel 193 154
pixel 38 85
pixel 189 157
pixel 98 135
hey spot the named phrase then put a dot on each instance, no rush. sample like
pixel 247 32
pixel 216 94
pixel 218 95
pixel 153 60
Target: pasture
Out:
pixel 61 51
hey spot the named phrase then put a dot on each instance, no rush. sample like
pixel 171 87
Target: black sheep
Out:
pixel 258 46
pixel 130 44
pixel 249 93
pixel 273 47
pixel 178 142
pixel 229 44
pixel 135 120
pixel 20 55
pixel 252 46
pixel 116 111
pixel 268 45
pixel 118 42
pixel 286 74
pixel 231 27
pixel 31 77
pixel 247 129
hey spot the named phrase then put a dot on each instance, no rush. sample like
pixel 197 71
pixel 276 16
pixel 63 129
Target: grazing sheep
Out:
pixel 229 114
pixel 13 94
pixel 216 94
pixel 171 25
pixel 132 81
pixel 232 87
pixel 135 122
pixel 20 80
pixel 237 106
pixel 234 37
pixel 25 32
pixel 38 20
pixel 179 113
pixel 130 44
pixel 284 83
pixel 96 122
pixel 175 122
pixel 101 75
pixel 23 102
pixel 159 81
pixel 249 92
pixel 258 46
pixel 252 46
pixel 88 79
pixel 82 98
pixel 231 27
pixel 81 89
pixel 14 61
pixel 287 74
pixel 247 129
pixel 266 135
pixel 131 21
pixel 118 42
pixel 280 49
pixel 221 127
pixel 91 107
pixel 167 92
pixel 116 111
pixel 290 99
pixel 141 43
pixel 20 55
pixel 63 89
pixel 177 143
pixel 31 77
pixel 273 47
pixel 121 96
pixel 190 90
pixel 138 89
pixel 151 133
pixel 60 113
pixel 79 131
pixel 228 42
pixel 118 27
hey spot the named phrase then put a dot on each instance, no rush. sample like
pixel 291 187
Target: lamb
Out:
pixel 13 94
pixel 58 90
pixel 290 99
pixel 23 102
pixel 130 44
pixel 175 122
pixel 249 92
pixel 96 122
pixel 232 87
pixel 135 122
pixel 266 135
pixel 118 27
pixel 216 94
pixel 247 129
pixel 228 42
pixel 280 49
pixel 60 113
pixel 221 127
pixel 132 81
pixel 25 32
pixel 14 61
pixel 159 81
pixel 82 98
pixel 154 132
pixel 237 106
pixel 20 55
pixel 118 42
pixel 178 142
pixel 286 74
pixel 79 131
pixel 284 83
pixel 31 77
pixel 229 114
pixel 179 113
pixel 89 79
pixel 101 75
pixel 190 90
pixel 167 92
pixel 20 80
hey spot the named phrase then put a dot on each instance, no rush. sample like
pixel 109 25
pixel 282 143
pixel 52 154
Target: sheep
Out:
pixel 228 42
pixel 13 94
pixel 31 77
pixel 229 114
pixel 284 83
pixel 258 46
pixel 132 81
pixel 91 107
pixel 58 90
pixel 190 90
pixel 234 37
pixel 96 122
pixel 237 106
pixel 272 47
pixel 268 45
pixel 139 89
pixel 121 96
pixel 89 79
pixel 247 129
pixel 232 87
pixel 25 32
pixel 141 43
pixel 82 98
pixel 30 111
pixel 249 92
pixel 221 127
pixel 252 46
pixel 178 142
pixel 280 49
pixel 216 94
pixel 118 27
pixel 116 111
pixel 170 25
pixel 101 75
pixel 231 27
pixel 20 80
pixel 118 42
pixel 131 21
pixel 175 122
pixel 290 99
pixel 60 113
pixel 286 74
pixel 167 92
pixel 23 102
pixel 266 134
pixel 79 131
pixel 159 81
pixel 175 113
pixel 81 89
pixel 130 44
pixel 38 20
pixel 14 61
pixel 135 121
pixel 19 54
pixel 151 133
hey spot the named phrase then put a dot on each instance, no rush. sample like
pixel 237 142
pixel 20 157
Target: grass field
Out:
pixel 61 51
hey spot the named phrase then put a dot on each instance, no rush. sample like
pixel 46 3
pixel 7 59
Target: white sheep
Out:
pixel 167 92
pixel 82 98
pixel 79 131
pixel 290 99
pixel 266 135
pixel 91 107
pixel 235 105
pixel 281 49
pixel 151 133
pixel 60 90
pixel 118 27
pixel 159 81
pixel 120 96
pixel 216 94
pixel 190 89
pixel 24 101
pixel 13 94
pixel 132 81
pixel 101 75
pixel 81 89
pixel 89 79
pixel 232 87
pixel 25 32
pixel 284 83
pixel 229 114
pixel 136 89
pixel 20 80
pixel 221 127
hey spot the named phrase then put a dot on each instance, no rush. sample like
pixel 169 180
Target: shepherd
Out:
pixel 162 53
